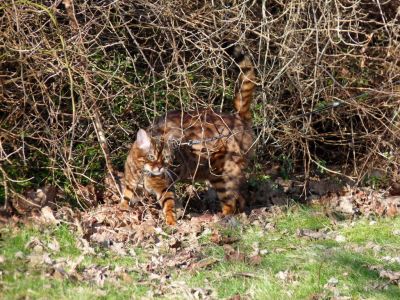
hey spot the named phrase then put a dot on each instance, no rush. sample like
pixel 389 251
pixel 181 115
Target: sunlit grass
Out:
pixel 291 266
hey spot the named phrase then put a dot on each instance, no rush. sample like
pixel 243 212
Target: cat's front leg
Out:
pixel 160 186
pixel 167 202
pixel 130 196
pixel 126 197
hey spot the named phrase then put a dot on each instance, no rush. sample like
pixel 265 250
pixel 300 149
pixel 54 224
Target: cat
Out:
pixel 201 145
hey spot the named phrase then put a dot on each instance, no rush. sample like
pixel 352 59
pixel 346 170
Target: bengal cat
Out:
pixel 195 146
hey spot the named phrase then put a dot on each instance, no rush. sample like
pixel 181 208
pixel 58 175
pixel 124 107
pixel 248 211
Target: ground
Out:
pixel 293 251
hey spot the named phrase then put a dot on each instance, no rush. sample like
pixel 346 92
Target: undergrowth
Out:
pixel 288 266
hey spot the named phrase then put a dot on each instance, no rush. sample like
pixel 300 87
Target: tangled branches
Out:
pixel 72 71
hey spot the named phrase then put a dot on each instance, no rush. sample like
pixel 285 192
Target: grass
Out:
pixel 290 267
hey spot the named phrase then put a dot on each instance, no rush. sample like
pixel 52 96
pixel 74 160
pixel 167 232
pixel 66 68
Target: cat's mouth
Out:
pixel 153 172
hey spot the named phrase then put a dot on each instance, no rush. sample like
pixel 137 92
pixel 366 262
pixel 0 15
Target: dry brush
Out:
pixel 77 78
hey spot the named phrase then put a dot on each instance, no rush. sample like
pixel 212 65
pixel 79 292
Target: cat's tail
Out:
pixel 246 82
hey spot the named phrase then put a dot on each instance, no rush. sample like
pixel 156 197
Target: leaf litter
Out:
pixel 180 248
pixel 361 201
pixel 393 277
pixel 118 231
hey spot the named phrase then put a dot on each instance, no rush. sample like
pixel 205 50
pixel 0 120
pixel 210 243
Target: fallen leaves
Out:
pixel 106 224
pixel 391 259
pixel 220 239
pixel 41 257
pixel 58 273
pixel 204 263
pixel 320 235
pixel 84 246
pixel 33 200
pixel 119 249
pixel 314 234
pixel 48 216
pixel 160 253
pixel 115 229
pixel 396 232
pixel 255 260
pixel 53 245
pixel 392 276
pixel 364 200
pixel 233 255
pixel 181 290
pixel 287 276
pixel 340 238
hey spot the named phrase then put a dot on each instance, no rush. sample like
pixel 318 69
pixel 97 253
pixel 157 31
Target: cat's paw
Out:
pixel 170 220
pixel 228 209
pixel 124 205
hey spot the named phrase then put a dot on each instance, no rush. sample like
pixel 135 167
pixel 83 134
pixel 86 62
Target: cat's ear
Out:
pixel 143 140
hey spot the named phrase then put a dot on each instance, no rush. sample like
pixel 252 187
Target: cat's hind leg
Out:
pixel 228 185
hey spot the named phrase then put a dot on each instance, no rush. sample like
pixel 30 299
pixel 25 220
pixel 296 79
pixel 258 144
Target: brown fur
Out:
pixel 164 154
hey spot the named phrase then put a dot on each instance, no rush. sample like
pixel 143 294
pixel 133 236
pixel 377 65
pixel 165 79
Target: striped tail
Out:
pixel 245 88
pixel 244 94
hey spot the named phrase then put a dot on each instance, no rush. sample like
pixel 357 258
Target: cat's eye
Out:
pixel 151 157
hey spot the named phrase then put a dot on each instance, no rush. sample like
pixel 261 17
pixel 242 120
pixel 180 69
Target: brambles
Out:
pixel 128 62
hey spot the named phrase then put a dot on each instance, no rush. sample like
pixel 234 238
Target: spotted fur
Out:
pixel 163 153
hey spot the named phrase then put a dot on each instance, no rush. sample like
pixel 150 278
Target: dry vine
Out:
pixel 78 78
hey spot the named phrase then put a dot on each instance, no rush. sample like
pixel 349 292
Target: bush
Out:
pixel 65 64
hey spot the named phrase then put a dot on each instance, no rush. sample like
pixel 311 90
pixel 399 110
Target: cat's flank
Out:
pixel 164 152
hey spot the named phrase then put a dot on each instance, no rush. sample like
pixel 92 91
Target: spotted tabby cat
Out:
pixel 195 146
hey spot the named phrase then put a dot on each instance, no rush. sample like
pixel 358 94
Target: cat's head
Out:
pixel 151 154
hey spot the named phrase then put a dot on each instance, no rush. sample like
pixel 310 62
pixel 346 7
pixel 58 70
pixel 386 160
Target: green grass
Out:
pixel 309 263
pixel 21 280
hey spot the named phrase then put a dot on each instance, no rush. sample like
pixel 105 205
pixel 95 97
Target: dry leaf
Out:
pixel 235 297
pixel 219 239
pixel 118 248
pixel 204 263
pixel 48 216
pixel 39 259
pixel 245 274
pixel 126 278
pixel 58 273
pixel 255 260
pixel 396 232
pixel 311 234
pixel 340 238
pixel 286 276
pixel 282 275
pixel 345 205
pixel 54 245
pixel 391 275
pixel 233 255
pixel 392 210
pixel 175 244
pixel 332 282
pixel 73 264
pixel 33 242
pixel 83 245
pixel 395 189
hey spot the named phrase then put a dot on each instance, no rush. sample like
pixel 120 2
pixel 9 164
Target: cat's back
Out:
pixel 206 125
